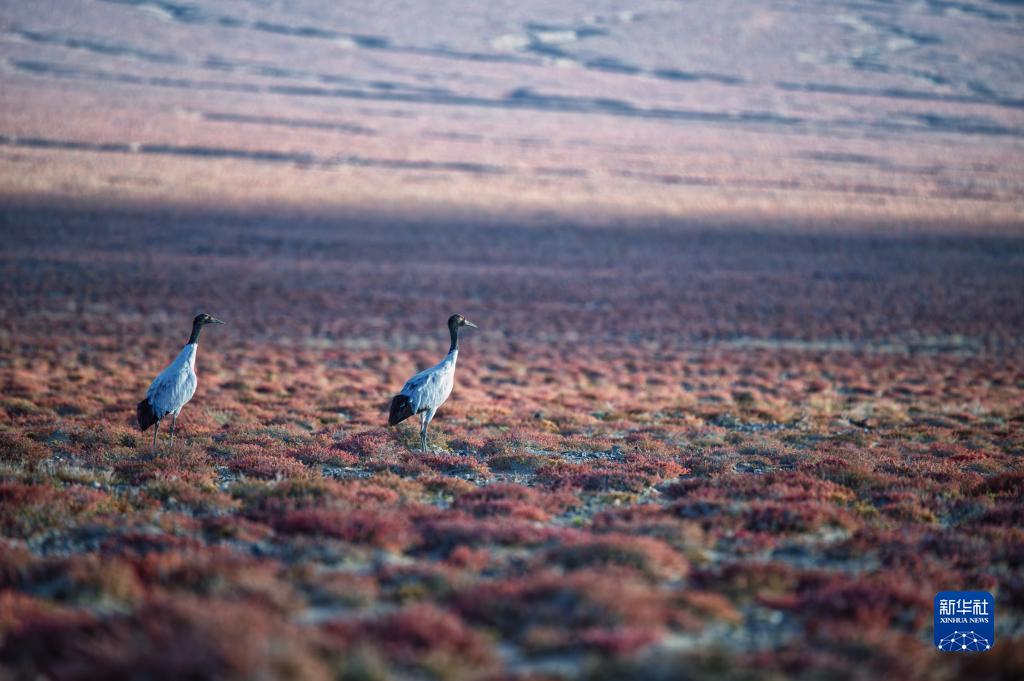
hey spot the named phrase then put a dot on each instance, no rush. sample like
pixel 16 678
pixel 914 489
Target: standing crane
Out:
pixel 175 385
pixel 425 392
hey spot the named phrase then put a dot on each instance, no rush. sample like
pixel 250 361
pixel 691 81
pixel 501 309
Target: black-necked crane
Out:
pixel 425 392
pixel 175 385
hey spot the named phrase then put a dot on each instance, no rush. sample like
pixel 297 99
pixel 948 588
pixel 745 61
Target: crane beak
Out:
pixel 214 320
pixel 469 323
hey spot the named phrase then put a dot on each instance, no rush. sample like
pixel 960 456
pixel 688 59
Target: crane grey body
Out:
pixel 425 392
pixel 174 386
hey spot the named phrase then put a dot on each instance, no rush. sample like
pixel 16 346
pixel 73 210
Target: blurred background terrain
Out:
pixel 823 111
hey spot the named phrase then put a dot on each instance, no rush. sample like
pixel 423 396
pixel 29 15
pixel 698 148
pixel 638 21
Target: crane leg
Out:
pixel 156 428
pixel 423 432
pixel 174 419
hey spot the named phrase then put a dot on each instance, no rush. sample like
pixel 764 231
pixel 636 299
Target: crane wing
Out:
pixel 417 382
pixel 172 389
pixel 418 388
pixel 426 391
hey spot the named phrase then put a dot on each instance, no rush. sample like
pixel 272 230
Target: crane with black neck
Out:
pixel 174 386
pixel 425 392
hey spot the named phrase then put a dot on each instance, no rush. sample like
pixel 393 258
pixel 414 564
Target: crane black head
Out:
pixel 198 323
pixel 456 322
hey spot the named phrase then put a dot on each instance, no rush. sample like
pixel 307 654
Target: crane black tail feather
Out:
pixel 401 409
pixel 146 414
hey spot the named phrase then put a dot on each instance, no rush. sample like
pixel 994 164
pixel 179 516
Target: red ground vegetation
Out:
pixel 735 454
